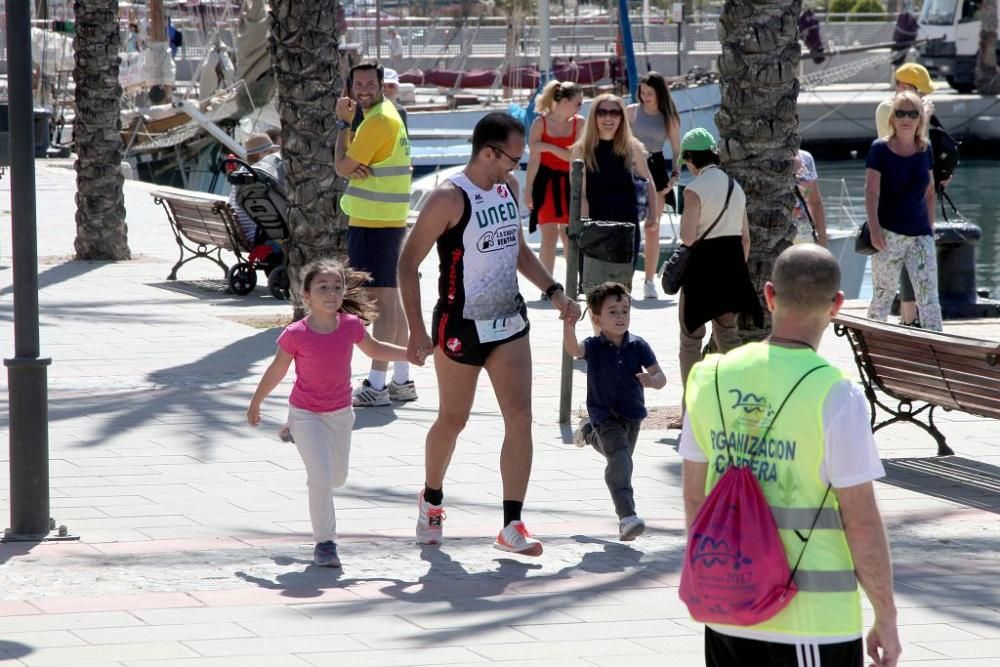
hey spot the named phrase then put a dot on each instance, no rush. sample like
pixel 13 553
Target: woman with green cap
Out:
pixel 717 284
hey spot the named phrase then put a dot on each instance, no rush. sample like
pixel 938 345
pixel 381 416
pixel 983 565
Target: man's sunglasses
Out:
pixel 515 160
pixel 905 113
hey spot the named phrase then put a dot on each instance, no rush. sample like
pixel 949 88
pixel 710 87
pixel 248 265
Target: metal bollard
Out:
pixel 956 257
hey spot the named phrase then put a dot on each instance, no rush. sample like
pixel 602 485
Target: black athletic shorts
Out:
pixel 459 338
pixel 376 250
pixel 727 651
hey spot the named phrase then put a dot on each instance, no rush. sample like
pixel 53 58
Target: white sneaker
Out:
pixel 580 436
pixel 515 538
pixel 367 396
pixel 630 528
pixel 429 521
pixel 649 290
pixel 403 391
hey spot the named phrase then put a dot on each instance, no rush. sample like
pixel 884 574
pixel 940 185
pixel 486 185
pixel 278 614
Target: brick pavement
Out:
pixel 194 535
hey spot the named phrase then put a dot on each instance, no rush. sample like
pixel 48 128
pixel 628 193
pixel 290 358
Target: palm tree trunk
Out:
pixel 987 73
pixel 100 203
pixel 759 126
pixel 307 69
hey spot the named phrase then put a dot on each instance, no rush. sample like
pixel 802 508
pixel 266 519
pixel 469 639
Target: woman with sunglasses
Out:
pixel 546 188
pixel 655 121
pixel 899 202
pixel 613 159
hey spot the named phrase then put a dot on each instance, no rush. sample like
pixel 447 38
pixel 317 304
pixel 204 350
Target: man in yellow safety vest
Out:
pixel 377 162
pixel 815 468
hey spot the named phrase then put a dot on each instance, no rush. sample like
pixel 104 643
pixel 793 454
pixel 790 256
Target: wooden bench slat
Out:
pixel 898 346
pixel 933 368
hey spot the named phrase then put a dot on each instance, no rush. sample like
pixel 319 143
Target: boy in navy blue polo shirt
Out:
pixel 619 366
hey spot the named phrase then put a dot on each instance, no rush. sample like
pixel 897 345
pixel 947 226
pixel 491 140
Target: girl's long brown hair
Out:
pixel 357 301
pixel 624 143
pixel 664 102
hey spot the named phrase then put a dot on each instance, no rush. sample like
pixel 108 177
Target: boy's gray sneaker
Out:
pixel 367 396
pixel 582 431
pixel 630 528
pixel 325 555
pixel 402 391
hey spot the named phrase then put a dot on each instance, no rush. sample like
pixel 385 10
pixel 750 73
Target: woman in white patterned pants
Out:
pixel 919 256
pixel 899 201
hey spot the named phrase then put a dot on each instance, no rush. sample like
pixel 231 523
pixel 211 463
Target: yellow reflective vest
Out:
pixel 753 381
pixel 385 195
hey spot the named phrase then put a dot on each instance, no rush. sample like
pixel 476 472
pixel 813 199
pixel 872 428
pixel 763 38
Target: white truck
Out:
pixel 952 28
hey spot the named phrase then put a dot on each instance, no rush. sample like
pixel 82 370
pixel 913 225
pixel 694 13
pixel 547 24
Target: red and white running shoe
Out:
pixel 429 521
pixel 515 538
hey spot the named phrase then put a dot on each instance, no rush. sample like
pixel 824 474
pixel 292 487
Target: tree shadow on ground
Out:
pixel 954 478
pixel 202 395
pixel 207 289
pixel 13 650
pixel 466 593
pixel 59 273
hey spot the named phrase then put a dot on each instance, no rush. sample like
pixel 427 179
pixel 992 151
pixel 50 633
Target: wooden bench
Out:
pixel 922 371
pixel 204 225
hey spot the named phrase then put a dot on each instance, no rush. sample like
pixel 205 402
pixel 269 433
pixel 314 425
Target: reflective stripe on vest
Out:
pixel 385 195
pixel 753 381
pixel 801 518
pixel 821 581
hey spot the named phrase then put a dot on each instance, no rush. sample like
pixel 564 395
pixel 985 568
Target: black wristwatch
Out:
pixel 553 288
pixel 342 124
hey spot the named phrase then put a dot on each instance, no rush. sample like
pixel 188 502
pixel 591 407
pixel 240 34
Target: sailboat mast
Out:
pixel 629 48
pixel 544 41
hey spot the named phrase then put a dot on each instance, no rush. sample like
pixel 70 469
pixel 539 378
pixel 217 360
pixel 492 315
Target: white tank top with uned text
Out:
pixel 490 242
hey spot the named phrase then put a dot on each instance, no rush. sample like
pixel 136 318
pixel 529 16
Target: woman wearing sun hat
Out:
pixel 717 284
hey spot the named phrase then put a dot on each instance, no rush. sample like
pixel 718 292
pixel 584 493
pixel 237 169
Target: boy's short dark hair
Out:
pixel 597 296
pixel 495 128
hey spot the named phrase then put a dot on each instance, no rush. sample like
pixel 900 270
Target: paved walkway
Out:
pixel 194 535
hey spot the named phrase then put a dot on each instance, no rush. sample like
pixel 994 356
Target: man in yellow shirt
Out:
pixel 377 162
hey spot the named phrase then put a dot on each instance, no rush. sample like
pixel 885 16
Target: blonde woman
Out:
pixel 613 159
pixel 546 189
pixel 654 122
pixel 899 202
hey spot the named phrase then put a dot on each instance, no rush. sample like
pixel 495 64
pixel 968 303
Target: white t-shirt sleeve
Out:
pixel 851 456
pixel 688 447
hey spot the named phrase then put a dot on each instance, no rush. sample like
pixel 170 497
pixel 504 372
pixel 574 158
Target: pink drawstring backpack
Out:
pixel 735 569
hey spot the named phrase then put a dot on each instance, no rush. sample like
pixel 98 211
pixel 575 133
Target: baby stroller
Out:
pixel 263 199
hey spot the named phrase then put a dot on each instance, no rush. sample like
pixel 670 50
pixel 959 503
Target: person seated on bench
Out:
pixel 262 154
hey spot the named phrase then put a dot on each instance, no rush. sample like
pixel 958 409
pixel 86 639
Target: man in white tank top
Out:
pixel 479 320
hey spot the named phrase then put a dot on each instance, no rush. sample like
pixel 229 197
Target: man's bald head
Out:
pixel 806 278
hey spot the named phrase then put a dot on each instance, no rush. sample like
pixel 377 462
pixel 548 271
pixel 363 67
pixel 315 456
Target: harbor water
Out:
pixel 975 190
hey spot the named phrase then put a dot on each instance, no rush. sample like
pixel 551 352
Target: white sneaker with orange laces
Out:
pixel 429 521
pixel 515 538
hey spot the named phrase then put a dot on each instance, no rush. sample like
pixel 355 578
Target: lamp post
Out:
pixel 27 378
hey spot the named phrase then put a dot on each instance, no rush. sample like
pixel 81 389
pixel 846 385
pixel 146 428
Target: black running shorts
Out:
pixel 459 338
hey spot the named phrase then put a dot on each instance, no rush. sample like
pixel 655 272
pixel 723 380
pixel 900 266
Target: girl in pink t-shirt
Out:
pixel 320 415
